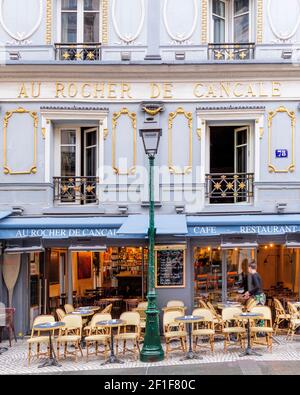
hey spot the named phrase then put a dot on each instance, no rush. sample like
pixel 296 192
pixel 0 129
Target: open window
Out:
pixel 230 179
pixel 77 165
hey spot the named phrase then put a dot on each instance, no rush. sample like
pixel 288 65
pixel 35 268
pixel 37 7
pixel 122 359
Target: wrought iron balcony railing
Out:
pixel 229 188
pixel 76 190
pixel 78 52
pixel 229 51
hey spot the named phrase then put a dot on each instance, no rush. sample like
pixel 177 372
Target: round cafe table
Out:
pixel 190 320
pixel 249 316
pixel 111 324
pixel 89 308
pixel 222 306
pixel 50 327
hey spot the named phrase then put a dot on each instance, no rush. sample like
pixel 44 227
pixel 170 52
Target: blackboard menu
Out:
pixel 170 268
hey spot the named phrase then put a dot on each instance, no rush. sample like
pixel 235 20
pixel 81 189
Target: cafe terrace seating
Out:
pixel 233 326
pixel 60 314
pixel 294 323
pixel 281 317
pixel 266 328
pixel 174 331
pixel 204 328
pixel 131 331
pixel 69 308
pixel 70 335
pixel 38 340
pixel 97 336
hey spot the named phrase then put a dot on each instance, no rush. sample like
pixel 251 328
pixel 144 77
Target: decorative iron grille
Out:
pixel 78 52
pixel 229 188
pixel 241 51
pixel 76 190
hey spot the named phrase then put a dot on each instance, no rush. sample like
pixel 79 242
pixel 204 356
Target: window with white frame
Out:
pixel 79 21
pixel 231 21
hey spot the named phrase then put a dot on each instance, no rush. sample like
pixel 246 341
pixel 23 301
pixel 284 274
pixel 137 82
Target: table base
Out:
pixel 249 352
pixel 191 355
pixel 50 362
pixel 111 360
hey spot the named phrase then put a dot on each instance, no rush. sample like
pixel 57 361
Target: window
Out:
pixel 231 21
pixel 77 165
pixel 80 21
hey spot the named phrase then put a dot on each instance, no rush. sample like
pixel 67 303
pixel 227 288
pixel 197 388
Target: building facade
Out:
pixel 78 79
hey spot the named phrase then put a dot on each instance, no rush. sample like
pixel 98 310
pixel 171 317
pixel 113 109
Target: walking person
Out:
pixel 255 285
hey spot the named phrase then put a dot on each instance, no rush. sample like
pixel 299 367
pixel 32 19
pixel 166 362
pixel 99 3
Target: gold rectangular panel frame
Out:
pixel 292 116
pixel 189 117
pixel 116 116
pixel 7 117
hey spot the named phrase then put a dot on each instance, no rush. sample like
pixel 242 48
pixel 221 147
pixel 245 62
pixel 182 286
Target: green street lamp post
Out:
pixel 152 350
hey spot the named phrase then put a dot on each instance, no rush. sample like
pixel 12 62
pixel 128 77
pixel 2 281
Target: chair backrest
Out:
pixel 141 312
pixel 293 311
pixel 175 303
pixel 100 317
pixel 250 304
pixel 180 310
pixel 265 311
pixel 72 322
pixel 212 309
pixel 69 308
pixel 143 305
pixel 169 318
pixel 131 318
pixel 278 306
pixel 230 313
pixel 202 304
pixel 60 314
pixel 205 313
pixel 107 309
pixel 41 319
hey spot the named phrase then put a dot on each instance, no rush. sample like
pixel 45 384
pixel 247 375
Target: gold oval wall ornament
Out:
pixel 292 116
pixel 189 117
pixel 7 117
pixel 132 117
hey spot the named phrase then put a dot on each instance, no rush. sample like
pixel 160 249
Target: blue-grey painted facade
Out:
pixel 151 51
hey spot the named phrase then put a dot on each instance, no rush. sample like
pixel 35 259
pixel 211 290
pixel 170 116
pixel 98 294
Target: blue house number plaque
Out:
pixel 282 153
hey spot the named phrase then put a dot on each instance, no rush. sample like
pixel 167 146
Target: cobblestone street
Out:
pixel 285 359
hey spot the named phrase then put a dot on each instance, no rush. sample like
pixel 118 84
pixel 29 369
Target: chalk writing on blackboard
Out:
pixel 170 267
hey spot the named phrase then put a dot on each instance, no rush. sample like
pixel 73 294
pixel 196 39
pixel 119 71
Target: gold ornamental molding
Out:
pixel 172 116
pixel 259 22
pixel 292 116
pixel 105 14
pixel 49 22
pixel 115 119
pixel 7 117
pixel 204 25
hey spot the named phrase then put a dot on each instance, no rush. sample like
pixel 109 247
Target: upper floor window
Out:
pixel 231 21
pixel 80 21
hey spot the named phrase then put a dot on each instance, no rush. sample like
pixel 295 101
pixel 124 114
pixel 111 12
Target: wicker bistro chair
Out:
pixel 174 330
pixel 69 308
pixel 107 309
pixel 132 322
pixel 60 314
pixel 294 322
pixel 180 310
pixel 143 318
pixel 175 303
pixel 280 315
pixel 142 305
pixel 250 304
pixel 218 322
pixel 98 335
pixel 267 329
pixel 202 304
pixel 233 326
pixel 205 328
pixel 70 334
pixel 38 340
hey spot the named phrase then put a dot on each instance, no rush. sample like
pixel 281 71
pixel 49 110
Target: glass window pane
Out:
pixel 219 8
pixel 69 5
pixel 241 165
pixel 68 161
pixel 241 6
pixel 91 160
pixel 242 137
pixel 91 139
pixel 219 30
pixel 91 27
pixel 69 27
pixel 91 5
pixel 68 137
pixel 241 29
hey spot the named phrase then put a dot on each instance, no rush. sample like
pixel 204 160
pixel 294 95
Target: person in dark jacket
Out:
pixel 255 285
